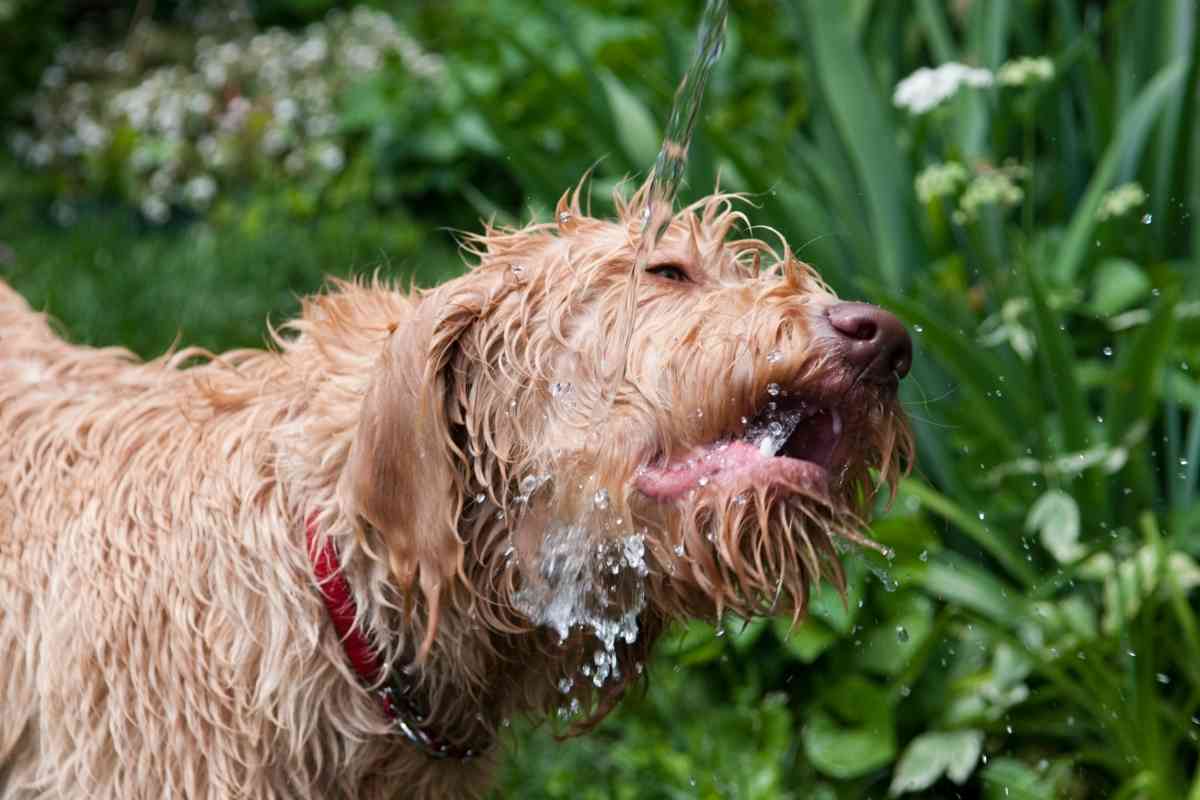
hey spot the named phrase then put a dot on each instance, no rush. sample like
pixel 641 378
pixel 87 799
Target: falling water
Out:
pixel 670 165
pixel 565 589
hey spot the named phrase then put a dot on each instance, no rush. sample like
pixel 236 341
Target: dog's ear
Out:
pixel 404 477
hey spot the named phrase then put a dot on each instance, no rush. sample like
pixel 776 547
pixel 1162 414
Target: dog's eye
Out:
pixel 672 272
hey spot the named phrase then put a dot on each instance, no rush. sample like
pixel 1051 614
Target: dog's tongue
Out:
pixel 735 465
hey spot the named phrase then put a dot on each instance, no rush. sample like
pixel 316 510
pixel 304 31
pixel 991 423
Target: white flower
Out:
pixel 90 134
pixel 155 209
pixel 1025 70
pixel 286 110
pixel 200 190
pixel 1121 200
pixel 330 157
pixel 274 141
pixel 200 103
pixel 927 87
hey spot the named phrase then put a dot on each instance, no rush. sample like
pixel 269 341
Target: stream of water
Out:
pixel 670 165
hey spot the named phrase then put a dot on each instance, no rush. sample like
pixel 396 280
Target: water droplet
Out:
pixel 600 499
pixel 529 483
pixel 918 328
pixel 566 684
pixel 564 218
pixel 703 481
pixel 774 357
pixel 518 271
pixel 901 634
pixel 679 550
pixel 773 389
pixel 905 691
pixel 1147 219
pixel 924 556
pixel 1162 678
pixel 479 498
pixel 982 515
pixel 1108 351
pixel 560 388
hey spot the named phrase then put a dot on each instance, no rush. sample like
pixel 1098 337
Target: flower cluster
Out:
pixel 171 124
pixel 986 185
pixel 928 88
pixel 1023 71
pixel 1121 200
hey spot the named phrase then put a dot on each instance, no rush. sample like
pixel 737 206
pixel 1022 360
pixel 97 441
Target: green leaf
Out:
pixel 889 648
pixel 931 755
pixel 1135 126
pixel 864 123
pixel 856 699
pixel 1055 518
pixel 1134 392
pixel 1009 779
pixel 1117 285
pixel 956 580
pixel 836 611
pixel 848 751
pixel 990 539
pixel 638 131
pixel 808 641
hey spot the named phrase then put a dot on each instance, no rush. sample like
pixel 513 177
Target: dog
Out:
pixel 337 566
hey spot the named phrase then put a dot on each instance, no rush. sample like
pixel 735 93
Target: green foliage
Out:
pixel 1035 631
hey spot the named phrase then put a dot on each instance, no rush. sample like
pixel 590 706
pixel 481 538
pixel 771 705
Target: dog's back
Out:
pixel 26 342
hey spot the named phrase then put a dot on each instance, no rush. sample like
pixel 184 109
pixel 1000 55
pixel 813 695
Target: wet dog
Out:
pixel 334 568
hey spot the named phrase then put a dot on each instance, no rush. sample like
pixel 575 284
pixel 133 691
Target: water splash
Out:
pixel 770 431
pixel 594 586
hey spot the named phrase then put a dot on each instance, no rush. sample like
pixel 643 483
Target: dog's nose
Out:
pixel 874 340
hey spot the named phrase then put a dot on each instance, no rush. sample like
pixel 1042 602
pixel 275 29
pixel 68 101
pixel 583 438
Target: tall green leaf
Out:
pixel 1130 137
pixel 862 117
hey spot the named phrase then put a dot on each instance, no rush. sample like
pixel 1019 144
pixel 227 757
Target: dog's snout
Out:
pixel 874 340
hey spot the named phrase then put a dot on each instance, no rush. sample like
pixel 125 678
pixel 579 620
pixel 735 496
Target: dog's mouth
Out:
pixel 791 442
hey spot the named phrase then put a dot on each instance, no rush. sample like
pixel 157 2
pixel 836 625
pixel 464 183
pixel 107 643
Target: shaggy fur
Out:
pixel 160 631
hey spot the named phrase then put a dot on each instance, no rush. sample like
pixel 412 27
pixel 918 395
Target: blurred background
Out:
pixel 183 170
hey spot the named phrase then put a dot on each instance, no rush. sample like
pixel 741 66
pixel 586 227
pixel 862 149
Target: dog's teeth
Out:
pixel 837 423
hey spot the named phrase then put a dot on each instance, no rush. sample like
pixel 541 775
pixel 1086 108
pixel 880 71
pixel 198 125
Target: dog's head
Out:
pixel 569 438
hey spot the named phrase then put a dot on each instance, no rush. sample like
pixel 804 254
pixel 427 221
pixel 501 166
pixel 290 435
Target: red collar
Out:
pixel 395 694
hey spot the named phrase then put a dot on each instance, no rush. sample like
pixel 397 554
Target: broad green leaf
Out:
pixel 933 754
pixel 1055 518
pixel 1009 779
pixel 845 752
pixel 834 609
pixel 956 580
pixel 743 634
pixel 1117 285
pixel 856 699
pixel 807 641
pixel 890 646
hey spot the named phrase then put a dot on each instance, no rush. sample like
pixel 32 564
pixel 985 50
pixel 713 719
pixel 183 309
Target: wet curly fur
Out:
pixel 160 632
